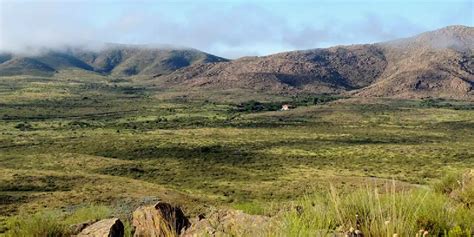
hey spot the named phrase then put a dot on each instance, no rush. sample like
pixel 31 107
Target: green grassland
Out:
pixel 74 140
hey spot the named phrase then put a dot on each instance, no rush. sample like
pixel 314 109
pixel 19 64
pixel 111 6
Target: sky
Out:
pixel 227 28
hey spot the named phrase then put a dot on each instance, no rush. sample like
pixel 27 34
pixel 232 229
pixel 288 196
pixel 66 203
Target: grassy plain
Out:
pixel 75 140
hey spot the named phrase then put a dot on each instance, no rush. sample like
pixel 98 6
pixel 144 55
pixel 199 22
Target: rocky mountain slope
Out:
pixel 321 70
pixel 114 59
pixel 437 63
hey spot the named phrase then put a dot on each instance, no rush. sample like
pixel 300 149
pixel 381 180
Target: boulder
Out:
pixel 228 223
pixel 77 228
pixel 112 227
pixel 159 220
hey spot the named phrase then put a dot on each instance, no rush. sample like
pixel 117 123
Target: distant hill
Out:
pixel 437 63
pixel 321 70
pixel 114 59
pixel 19 66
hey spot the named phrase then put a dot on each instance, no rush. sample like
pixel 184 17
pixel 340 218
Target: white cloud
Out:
pixel 230 30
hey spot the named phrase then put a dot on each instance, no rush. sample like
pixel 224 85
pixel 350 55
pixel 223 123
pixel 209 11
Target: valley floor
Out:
pixel 69 143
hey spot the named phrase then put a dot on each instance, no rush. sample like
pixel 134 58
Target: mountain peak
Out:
pixel 457 37
pixel 456 28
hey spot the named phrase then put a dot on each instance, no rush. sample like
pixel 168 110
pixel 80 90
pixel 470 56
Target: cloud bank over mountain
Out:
pixel 229 29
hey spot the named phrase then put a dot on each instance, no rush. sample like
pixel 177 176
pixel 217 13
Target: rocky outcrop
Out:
pixel 164 219
pixel 77 228
pixel 112 227
pixel 227 223
pixel 159 220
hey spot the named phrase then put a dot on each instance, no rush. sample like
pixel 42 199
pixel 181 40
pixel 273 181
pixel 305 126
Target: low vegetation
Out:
pixel 296 101
pixel 53 222
pixel 374 211
pixel 379 212
pixel 89 140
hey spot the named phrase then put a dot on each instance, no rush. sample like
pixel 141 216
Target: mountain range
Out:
pixel 114 59
pixel 438 63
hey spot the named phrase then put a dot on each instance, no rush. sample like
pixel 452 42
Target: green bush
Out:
pixel 255 106
pixel 24 126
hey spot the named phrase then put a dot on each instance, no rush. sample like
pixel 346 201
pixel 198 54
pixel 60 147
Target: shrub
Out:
pixel 255 106
pixel 24 126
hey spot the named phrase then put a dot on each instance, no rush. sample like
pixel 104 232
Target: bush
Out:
pixel 24 126
pixel 255 106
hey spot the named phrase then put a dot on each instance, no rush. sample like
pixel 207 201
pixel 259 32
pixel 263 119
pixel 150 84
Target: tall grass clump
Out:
pixel 45 223
pixel 93 212
pixel 53 223
pixel 377 212
pixel 458 186
pixel 313 216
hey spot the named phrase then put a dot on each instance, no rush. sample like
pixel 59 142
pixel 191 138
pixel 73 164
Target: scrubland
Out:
pixel 69 145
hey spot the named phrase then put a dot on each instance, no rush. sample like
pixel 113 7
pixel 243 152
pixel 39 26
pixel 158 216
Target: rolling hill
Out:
pixel 21 66
pixel 117 60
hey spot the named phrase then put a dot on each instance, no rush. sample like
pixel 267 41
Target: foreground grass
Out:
pixel 389 211
pixel 53 222
pixel 445 209
pixel 379 214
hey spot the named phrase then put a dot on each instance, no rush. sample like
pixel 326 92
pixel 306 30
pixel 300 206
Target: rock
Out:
pixel 161 219
pixel 77 228
pixel 112 227
pixel 227 223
